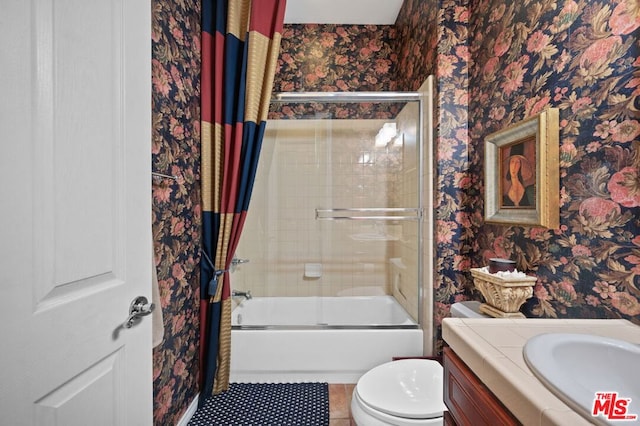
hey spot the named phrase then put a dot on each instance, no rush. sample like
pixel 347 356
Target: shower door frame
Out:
pixel 420 98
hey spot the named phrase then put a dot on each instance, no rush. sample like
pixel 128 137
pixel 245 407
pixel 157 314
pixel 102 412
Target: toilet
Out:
pixel 405 392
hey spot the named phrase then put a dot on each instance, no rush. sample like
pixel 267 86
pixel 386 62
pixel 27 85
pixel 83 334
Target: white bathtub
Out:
pixel 328 339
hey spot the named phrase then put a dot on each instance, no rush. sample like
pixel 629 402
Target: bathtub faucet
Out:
pixel 245 294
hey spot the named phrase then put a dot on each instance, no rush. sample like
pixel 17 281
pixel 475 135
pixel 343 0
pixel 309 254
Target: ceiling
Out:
pixel 345 12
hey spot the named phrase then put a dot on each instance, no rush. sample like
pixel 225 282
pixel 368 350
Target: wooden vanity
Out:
pixel 469 401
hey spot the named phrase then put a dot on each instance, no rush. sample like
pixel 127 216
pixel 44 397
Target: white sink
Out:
pixel 577 366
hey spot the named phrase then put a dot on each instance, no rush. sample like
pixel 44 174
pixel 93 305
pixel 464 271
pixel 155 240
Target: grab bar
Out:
pixel 321 212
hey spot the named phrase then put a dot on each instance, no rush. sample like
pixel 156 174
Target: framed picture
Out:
pixel 521 173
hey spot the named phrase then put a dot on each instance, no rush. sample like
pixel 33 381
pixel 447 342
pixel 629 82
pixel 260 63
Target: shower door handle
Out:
pixel 139 308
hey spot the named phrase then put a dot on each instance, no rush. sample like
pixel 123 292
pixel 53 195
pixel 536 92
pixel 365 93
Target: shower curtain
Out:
pixel 240 46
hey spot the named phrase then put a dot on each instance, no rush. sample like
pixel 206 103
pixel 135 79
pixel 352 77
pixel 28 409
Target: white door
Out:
pixel 75 212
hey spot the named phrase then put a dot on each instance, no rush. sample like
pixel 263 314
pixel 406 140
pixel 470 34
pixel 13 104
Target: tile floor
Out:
pixel 339 403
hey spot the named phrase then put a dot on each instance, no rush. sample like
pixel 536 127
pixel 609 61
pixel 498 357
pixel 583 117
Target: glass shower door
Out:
pixel 336 208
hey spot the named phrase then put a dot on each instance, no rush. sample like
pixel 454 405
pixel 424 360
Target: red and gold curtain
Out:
pixel 240 46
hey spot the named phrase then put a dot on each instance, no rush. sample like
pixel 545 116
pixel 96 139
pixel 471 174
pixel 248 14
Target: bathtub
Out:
pixel 327 339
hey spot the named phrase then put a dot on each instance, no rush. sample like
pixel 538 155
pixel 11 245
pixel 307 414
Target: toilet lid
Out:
pixel 410 388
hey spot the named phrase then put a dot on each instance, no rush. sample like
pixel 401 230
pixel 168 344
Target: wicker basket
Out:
pixel 503 295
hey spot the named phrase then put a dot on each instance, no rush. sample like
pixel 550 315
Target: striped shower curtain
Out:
pixel 240 46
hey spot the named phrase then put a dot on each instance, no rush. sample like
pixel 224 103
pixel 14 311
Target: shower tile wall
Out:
pixel 317 164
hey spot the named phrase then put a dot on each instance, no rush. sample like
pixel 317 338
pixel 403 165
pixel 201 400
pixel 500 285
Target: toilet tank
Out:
pixel 469 309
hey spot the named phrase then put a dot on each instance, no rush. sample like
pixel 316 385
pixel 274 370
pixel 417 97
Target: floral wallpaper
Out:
pixel 176 204
pixel 582 57
pixel 335 58
pixel 416 43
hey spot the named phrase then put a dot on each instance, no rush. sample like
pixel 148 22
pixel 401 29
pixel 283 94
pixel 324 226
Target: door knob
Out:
pixel 139 308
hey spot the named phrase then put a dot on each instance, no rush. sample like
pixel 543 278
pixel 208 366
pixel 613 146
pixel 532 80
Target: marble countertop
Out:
pixel 492 348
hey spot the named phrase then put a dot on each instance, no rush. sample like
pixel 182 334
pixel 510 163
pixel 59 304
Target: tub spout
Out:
pixel 245 294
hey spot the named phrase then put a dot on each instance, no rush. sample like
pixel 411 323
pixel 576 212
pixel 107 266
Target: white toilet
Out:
pixel 405 392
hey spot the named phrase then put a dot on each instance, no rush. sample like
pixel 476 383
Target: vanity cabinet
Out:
pixel 468 400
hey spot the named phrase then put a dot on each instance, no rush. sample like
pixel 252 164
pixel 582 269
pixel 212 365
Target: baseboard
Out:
pixel 184 420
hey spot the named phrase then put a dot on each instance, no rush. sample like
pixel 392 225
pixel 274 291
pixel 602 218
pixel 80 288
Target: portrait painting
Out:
pixel 522 172
pixel 518 174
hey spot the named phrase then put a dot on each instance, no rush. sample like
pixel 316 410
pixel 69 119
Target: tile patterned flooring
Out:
pixel 339 403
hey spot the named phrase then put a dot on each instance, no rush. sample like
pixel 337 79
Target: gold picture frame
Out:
pixel 527 150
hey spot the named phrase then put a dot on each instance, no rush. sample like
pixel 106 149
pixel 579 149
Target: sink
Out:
pixel 575 367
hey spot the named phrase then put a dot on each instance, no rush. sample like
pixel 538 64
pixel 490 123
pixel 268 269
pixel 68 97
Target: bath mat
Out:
pixel 262 404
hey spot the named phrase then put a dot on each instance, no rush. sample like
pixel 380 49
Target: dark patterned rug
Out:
pixel 262 404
